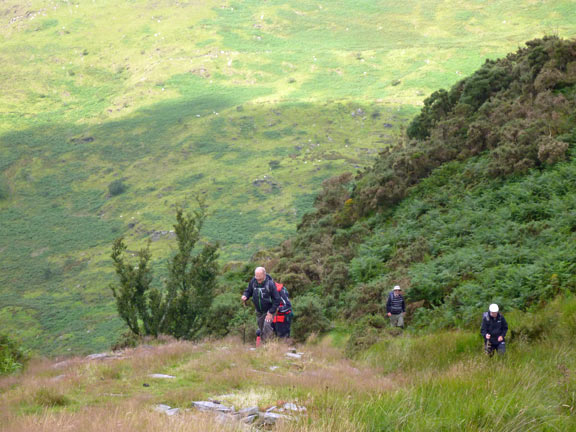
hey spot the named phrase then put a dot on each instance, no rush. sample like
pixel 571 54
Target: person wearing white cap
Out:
pixel 396 307
pixel 493 330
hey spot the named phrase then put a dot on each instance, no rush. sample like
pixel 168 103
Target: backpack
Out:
pixel 285 305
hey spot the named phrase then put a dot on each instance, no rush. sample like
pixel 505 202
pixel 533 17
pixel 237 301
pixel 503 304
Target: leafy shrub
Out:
pixel 309 317
pixel 12 357
pixel 117 187
pixel 366 332
pixel 222 312
pixel 126 340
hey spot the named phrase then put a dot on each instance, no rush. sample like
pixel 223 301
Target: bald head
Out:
pixel 260 274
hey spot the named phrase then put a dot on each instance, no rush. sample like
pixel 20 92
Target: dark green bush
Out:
pixel 365 333
pixel 309 317
pixel 222 313
pixel 117 187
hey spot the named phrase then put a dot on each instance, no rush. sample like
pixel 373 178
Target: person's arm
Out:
pixel 483 328
pixel 249 291
pixel 274 296
pixel 504 327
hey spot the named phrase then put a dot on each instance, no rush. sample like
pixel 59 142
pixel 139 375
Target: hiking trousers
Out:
pixel 397 320
pixel 266 330
pixel 490 347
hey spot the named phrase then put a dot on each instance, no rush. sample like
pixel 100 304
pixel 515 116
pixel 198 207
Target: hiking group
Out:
pixel 274 312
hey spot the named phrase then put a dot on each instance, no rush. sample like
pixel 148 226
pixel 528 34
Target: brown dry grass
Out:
pixel 69 395
pixel 124 417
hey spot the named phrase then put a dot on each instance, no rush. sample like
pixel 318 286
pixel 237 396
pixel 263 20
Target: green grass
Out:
pixel 179 100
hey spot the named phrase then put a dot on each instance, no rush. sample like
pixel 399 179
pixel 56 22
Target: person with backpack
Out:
pixel 283 318
pixel 266 300
pixel 493 330
pixel 396 307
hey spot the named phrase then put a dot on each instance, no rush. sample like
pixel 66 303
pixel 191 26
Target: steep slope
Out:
pixel 476 205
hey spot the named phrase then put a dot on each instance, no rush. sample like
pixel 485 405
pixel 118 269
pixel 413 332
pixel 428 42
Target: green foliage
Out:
pixel 4 189
pixel 223 312
pixel 12 357
pixel 475 208
pixel 117 187
pixel 309 317
pixel 181 308
pixel 365 333
pixel 136 300
pixel 50 398
pixel 127 339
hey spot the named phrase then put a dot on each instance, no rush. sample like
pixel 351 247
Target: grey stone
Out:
pixel 211 406
pixel 162 408
pixel 249 411
pixel 172 411
pixel 297 356
pixel 270 418
pixel 97 356
pixel 293 407
pixel 104 356
pixel 161 376
pixel 271 409
pixel 250 419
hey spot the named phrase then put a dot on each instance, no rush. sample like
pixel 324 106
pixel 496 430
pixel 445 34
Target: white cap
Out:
pixel 493 307
pixel 397 288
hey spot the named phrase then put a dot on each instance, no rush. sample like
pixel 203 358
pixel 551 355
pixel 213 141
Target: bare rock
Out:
pixel 161 376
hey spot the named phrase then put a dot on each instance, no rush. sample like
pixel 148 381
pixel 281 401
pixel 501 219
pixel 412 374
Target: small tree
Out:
pixel 136 300
pixel 181 308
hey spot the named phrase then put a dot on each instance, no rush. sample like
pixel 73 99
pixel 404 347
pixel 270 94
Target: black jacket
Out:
pixel 395 305
pixel 495 327
pixel 264 296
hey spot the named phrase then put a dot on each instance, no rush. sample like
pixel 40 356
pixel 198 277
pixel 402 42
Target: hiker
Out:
pixel 283 318
pixel 265 298
pixel 493 330
pixel 396 307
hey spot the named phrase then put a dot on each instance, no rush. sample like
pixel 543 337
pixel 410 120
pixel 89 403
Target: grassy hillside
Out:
pixel 476 205
pixel 440 381
pixel 251 104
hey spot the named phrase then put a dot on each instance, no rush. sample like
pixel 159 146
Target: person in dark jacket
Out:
pixel 266 300
pixel 283 318
pixel 396 307
pixel 493 330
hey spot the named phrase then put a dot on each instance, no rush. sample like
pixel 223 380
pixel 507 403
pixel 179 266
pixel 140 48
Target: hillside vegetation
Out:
pixel 114 113
pixel 433 382
pixel 475 206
